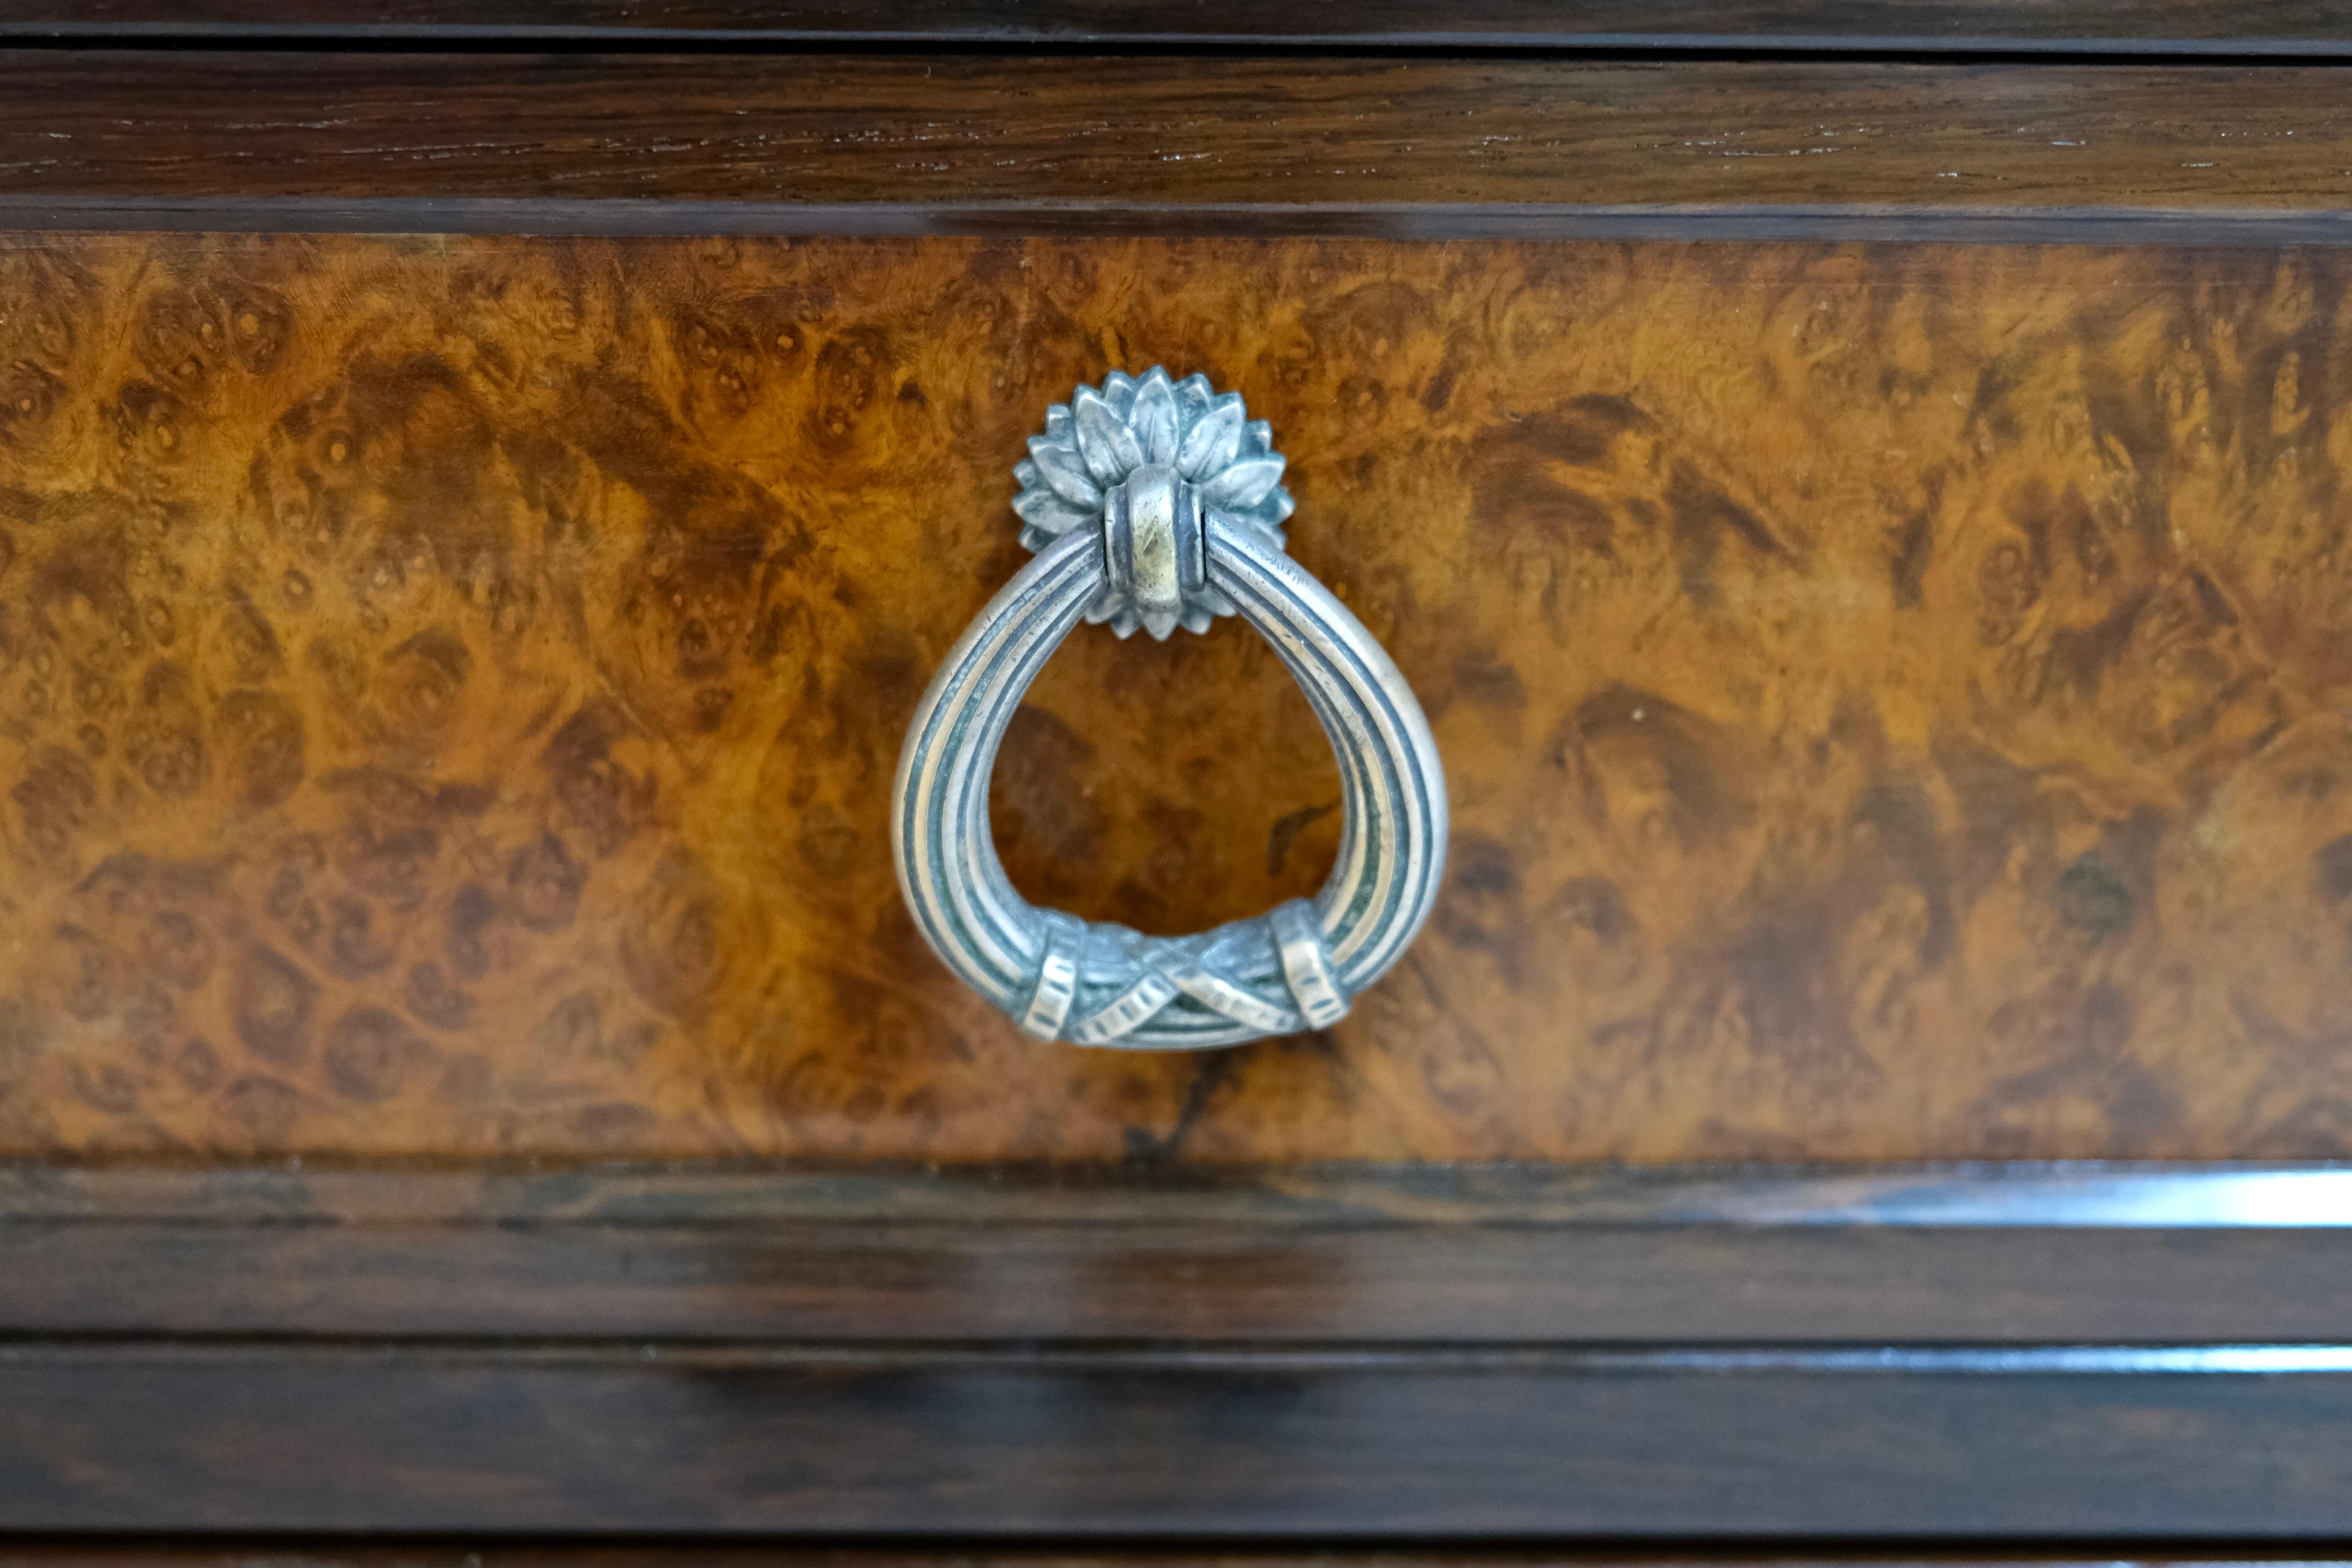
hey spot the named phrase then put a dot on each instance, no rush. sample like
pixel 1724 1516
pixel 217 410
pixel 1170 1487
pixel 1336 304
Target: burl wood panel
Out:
pixel 1893 697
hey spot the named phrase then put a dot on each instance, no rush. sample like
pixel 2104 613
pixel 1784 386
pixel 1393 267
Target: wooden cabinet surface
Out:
pixel 1860 493
pixel 1893 696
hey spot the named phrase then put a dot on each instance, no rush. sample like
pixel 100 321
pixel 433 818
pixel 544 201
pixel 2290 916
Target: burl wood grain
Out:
pixel 1894 698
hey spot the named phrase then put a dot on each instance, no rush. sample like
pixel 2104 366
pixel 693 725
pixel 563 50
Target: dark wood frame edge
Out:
pixel 27 219
pixel 1297 1257
pixel 2134 27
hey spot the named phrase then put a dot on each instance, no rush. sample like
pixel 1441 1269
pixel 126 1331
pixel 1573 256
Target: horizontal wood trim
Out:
pixel 1017 1282
pixel 1334 1354
pixel 2067 1194
pixel 1359 1256
pixel 276 1551
pixel 34 221
pixel 915 128
pixel 2137 27
pixel 1340 1445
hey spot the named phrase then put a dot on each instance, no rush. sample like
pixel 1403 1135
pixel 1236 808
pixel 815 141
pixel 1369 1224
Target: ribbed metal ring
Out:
pixel 1162 549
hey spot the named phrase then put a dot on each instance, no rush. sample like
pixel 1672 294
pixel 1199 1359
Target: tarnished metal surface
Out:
pixel 1156 504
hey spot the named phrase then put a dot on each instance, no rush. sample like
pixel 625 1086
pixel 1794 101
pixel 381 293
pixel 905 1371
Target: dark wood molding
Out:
pixel 1335 1353
pixel 495 1552
pixel 328 1552
pixel 2277 27
pixel 24 219
pixel 2080 1196
pixel 1361 1256
pixel 1200 1442
pixel 1044 132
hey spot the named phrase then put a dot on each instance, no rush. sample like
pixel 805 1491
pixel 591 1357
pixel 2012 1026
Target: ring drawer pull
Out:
pixel 1155 503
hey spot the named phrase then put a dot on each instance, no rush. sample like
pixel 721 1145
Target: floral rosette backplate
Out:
pixel 1094 442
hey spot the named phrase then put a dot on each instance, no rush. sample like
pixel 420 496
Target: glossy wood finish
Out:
pixel 499 1554
pixel 1343 1445
pixel 2261 27
pixel 1408 223
pixel 1890 696
pixel 786 129
pixel 2072 1195
pixel 1296 1257
pixel 1342 1354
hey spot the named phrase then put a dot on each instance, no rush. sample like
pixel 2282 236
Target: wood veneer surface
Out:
pixel 500 1556
pixel 2136 27
pixel 1894 697
pixel 1329 1444
pixel 783 130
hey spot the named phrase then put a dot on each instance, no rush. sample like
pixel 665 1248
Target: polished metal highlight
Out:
pixel 1155 503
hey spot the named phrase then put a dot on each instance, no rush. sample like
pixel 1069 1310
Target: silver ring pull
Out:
pixel 1158 503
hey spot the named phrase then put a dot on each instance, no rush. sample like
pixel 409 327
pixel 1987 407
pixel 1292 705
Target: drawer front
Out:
pixel 1866 528
pixel 1891 695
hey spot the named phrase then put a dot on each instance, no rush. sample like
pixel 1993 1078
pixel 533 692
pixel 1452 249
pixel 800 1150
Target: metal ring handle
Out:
pixel 1153 504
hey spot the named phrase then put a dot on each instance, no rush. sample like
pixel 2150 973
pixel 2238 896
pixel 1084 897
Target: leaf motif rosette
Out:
pixel 1192 448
